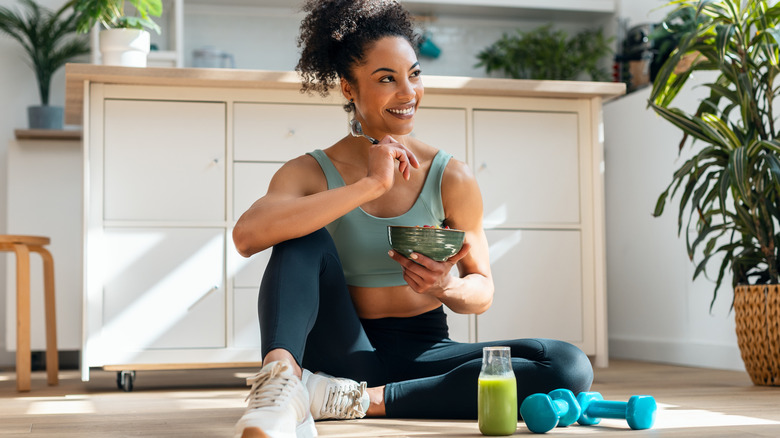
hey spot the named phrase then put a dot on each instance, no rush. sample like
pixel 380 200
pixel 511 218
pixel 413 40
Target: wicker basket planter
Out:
pixel 757 314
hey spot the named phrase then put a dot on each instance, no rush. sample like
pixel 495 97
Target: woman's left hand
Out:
pixel 425 275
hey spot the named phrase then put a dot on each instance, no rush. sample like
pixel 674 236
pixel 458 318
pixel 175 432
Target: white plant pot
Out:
pixel 124 47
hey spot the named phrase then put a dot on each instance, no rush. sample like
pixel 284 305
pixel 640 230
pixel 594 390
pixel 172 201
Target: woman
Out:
pixel 332 299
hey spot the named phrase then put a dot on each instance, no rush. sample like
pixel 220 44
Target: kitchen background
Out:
pixel 655 312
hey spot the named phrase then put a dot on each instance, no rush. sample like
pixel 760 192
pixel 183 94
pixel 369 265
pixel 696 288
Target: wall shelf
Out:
pixel 485 8
pixel 510 8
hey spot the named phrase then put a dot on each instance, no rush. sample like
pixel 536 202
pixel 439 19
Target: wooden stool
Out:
pixel 22 246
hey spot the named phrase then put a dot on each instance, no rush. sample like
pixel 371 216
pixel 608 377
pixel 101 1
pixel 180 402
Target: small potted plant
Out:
pixel 729 190
pixel 544 53
pixel 125 39
pixel 49 39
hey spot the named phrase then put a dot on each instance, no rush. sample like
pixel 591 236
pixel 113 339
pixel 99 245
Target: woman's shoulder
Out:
pixel 457 172
pixel 454 169
pixel 304 162
pixel 304 172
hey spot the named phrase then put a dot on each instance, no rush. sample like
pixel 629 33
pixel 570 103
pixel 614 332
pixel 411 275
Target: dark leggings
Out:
pixel 305 308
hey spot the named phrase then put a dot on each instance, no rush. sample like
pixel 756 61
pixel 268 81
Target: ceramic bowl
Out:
pixel 436 243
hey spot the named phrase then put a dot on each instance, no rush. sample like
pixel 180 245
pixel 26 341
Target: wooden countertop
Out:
pixel 76 75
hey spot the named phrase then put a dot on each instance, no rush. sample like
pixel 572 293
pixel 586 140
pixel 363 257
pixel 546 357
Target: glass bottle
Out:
pixel 497 394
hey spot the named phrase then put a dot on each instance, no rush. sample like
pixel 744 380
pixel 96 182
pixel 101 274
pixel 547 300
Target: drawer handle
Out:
pixel 210 291
pixel 291 133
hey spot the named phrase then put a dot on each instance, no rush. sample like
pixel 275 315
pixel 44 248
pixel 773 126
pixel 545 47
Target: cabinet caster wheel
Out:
pixel 124 380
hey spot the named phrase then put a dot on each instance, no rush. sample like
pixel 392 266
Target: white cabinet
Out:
pixel 534 165
pixel 156 202
pixel 539 288
pixel 534 158
pixel 279 132
pixel 164 288
pixel 443 128
pixel 266 135
pixel 163 168
pixel 246 331
pixel 169 173
pixel 169 169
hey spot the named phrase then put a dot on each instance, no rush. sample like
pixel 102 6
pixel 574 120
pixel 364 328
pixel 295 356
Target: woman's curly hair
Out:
pixel 335 34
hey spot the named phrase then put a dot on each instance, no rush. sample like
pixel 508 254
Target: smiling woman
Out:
pixel 332 298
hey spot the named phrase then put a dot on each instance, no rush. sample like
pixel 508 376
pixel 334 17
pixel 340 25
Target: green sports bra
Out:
pixel 361 239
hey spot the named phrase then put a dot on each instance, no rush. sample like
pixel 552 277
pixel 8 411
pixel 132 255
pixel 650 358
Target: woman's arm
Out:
pixel 472 292
pixel 298 203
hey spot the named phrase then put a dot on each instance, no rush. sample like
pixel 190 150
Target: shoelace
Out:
pixel 269 387
pixel 344 400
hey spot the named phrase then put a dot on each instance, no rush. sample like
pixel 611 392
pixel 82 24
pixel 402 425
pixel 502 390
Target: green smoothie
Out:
pixel 497 403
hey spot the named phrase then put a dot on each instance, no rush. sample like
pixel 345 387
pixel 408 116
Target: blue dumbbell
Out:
pixel 639 411
pixel 542 412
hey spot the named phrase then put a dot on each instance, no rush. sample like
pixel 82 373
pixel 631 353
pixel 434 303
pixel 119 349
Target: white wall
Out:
pixel 18 90
pixel 642 11
pixel 656 312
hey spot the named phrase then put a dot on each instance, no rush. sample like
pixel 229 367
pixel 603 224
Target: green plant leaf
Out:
pixel 661 203
pixel 772 160
pixel 547 53
pixel 111 14
pixel 738 168
pixel 725 34
pixel 771 48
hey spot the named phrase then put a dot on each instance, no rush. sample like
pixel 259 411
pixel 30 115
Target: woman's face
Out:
pixel 388 88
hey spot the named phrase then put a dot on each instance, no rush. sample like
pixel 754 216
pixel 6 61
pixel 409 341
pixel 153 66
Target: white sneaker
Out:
pixel 334 397
pixel 277 407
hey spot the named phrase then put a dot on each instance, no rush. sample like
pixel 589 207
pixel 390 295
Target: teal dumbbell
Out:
pixel 542 412
pixel 639 411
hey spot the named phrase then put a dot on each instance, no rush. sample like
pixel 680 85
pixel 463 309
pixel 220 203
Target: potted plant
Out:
pixel 544 53
pixel 730 187
pixel 666 37
pixel 125 39
pixel 49 40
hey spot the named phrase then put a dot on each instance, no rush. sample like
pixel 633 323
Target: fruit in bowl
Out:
pixel 431 241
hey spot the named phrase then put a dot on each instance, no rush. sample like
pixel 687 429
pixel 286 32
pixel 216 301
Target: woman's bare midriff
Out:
pixel 395 301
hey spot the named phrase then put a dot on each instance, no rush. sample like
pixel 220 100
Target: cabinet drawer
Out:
pixel 164 288
pixel 280 132
pixel 527 166
pixel 538 281
pixel 250 183
pixel 246 327
pixel 458 325
pixel 164 161
pixel 247 272
pixel 442 128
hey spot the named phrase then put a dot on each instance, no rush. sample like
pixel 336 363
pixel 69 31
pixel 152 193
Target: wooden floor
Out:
pixel 693 403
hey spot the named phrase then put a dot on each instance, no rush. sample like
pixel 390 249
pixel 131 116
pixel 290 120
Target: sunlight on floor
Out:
pixel 670 417
pixel 69 404
pixel 207 400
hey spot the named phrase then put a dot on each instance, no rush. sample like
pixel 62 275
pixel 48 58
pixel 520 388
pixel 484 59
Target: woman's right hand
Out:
pixel 381 161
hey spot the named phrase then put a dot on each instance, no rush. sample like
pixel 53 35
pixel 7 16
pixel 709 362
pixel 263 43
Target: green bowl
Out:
pixel 436 243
